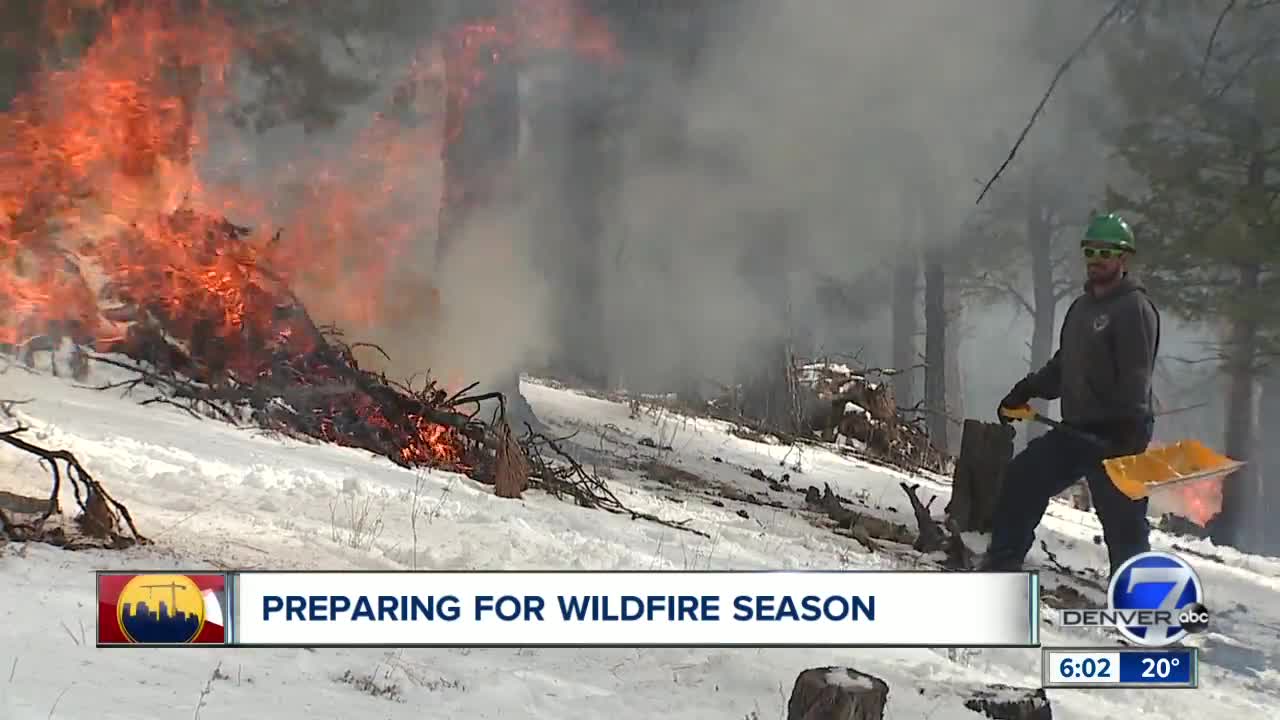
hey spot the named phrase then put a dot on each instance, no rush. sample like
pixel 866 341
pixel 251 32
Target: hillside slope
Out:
pixel 212 495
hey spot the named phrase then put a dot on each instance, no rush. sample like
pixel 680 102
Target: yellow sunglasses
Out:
pixel 1104 253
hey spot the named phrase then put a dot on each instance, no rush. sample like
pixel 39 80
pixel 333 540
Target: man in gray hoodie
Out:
pixel 1102 375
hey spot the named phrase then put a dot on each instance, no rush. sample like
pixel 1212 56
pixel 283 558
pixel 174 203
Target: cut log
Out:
pixel 837 693
pixel 1003 702
pixel 985 451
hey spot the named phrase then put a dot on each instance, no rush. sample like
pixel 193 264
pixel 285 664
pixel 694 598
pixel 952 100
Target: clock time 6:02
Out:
pixel 1087 667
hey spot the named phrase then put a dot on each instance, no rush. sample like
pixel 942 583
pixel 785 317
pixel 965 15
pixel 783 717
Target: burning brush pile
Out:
pixel 111 241
pixel 228 338
pixel 104 244
pixel 190 307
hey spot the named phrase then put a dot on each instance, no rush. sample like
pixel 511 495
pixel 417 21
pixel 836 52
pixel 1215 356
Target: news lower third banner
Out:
pixel 570 609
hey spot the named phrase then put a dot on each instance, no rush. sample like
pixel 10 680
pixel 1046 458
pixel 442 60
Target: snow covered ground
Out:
pixel 213 495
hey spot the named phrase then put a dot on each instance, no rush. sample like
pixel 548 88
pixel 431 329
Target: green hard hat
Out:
pixel 1112 230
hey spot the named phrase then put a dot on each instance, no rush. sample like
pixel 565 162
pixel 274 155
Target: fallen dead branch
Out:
pixel 931 538
pixel 567 477
pixel 100 514
pixel 866 529
pixel 1070 571
pixel 934 537
pixel 7 406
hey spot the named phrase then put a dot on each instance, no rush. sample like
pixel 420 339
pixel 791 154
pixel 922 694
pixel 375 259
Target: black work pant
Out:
pixel 1046 467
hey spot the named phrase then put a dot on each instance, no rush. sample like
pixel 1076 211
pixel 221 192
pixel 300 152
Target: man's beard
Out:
pixel 1102 277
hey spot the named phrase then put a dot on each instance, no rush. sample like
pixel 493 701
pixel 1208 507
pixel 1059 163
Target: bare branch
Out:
pixel 1197 361
pixel 1258 52
pixel 1062 69
pixel 1213 36
pixel 992 284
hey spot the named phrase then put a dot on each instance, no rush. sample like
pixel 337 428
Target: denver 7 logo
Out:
pixel 1149 592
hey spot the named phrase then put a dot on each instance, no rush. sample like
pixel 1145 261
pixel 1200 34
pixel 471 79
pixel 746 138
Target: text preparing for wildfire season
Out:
pixel 570 609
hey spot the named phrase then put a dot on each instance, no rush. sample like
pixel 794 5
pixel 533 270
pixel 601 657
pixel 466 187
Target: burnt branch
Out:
pixel 100 513
pixel 7 406
pixel 572 479
pixel 931 537
pixel 865 529
pixel 1067 569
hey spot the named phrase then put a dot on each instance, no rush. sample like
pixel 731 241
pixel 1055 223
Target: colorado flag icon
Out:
pixel 162 609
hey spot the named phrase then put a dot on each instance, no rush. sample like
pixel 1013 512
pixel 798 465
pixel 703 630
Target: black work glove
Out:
pixel 1019 396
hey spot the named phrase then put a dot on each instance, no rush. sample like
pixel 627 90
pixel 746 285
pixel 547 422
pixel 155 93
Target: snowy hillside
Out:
pixel 211 495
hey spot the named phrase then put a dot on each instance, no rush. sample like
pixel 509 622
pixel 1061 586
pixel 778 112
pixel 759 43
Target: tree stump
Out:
pixel 1003 702
pixel 511 467
pixel 837 693
pixel 985 451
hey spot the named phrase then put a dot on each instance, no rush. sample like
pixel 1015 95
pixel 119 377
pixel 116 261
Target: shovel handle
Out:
pixel 1058 425
pixel 1026 413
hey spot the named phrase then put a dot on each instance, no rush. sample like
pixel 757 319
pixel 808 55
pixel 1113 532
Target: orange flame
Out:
pixel 1201 500
pixel 102 202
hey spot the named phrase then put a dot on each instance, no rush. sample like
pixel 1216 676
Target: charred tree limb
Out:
pixel 863 528
pixel 1068 570
pixel 99 510
pixel 587 489
pixel 931 537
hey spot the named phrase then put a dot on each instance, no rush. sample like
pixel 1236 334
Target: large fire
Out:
pixel 110 235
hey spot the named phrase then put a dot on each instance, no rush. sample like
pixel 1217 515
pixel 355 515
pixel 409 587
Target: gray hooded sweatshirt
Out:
pixel 1105 359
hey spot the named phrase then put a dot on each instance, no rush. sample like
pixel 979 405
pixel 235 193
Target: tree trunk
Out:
pixel 955 373
pixel 1044 312
pixel 935 348
pixel 1268 455
pixel 482 122
pixel 574 143
pixel 904 324
pixel 21 53
pixel 481 138
pixel 1242 520
pixel 769 392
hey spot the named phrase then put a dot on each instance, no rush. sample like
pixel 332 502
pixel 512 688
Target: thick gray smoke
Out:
pixel 842 130
pixel 811 142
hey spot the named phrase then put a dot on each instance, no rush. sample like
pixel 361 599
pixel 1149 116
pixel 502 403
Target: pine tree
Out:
pixel 1200 89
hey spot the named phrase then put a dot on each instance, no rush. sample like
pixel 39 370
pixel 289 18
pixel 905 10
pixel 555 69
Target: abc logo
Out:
pixel 1194 618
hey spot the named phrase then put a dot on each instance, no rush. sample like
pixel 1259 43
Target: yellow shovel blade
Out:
pixel 1183 461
